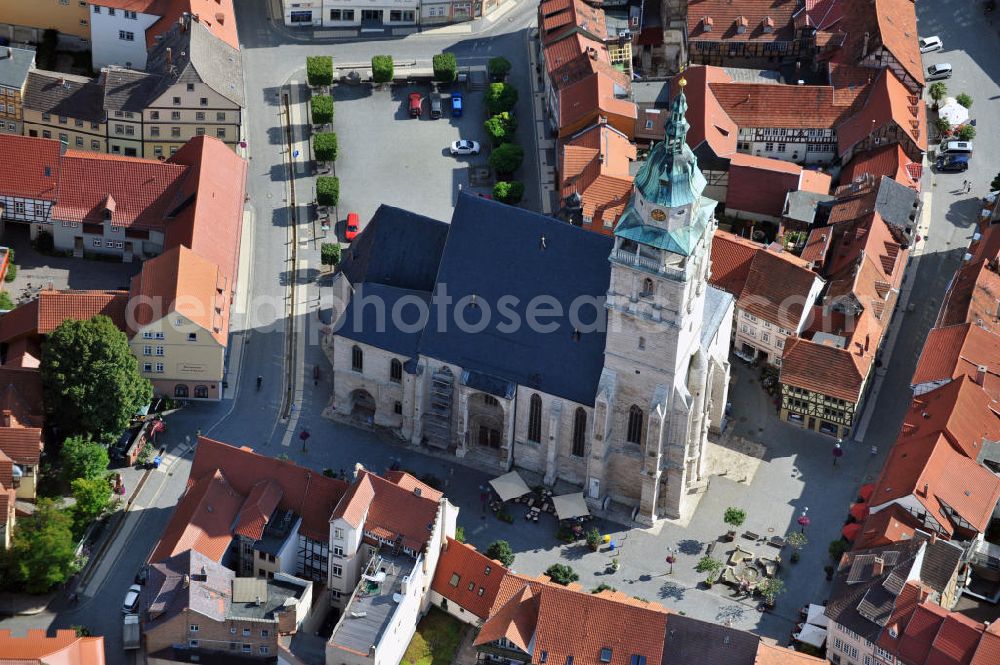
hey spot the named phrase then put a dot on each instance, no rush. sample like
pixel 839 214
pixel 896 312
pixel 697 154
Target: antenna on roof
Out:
pixel 542 243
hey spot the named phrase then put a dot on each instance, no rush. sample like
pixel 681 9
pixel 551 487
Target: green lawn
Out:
pixel 436 640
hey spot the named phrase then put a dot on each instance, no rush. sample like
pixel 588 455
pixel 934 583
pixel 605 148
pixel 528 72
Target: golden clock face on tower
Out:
pixel 658 214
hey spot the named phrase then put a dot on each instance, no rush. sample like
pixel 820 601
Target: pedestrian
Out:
pixel 968 187
pixel 965 185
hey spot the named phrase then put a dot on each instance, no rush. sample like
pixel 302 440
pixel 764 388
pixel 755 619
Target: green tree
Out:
pixel 382 68
pixel 708 564
pixel 5 302
pixel 327 190
pixel 938 91
pixel 329 253
pixel 11 272
pixel 90 378
pixel 82 458
pixel 965 100
pixel 507 158
pixel 966 132
pixel 560 573
pixel 445 67
pixel 319 70
pixel 509 192
pixel 797 540
pixel 500 551
pixel 42 553
pixel 837 548
pixel 93 496
pixel 460 534
pixel 769 588
pixel 735 517
pixel 322 109
pixel 500 97
pixel 501 127
pixel 499 67
pixel 325 147
pixel 942 125
pixel 995 184
pixel 603 587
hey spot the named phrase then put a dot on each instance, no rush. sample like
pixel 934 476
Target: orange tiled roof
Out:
pixel 988 651
pixel 401 512
pixel 974 296
pixel 515 620
pixel 558 17
pixel 570 60
pixel 762 20
pixel 887 526
pixel 888 160
pixel 354 505
pixel 22 444
pixel 65 648
pixel 772 654
pixel 21 395
pixel 37 172
pixel 411 484
pixel 257 509
pixel 709 122
pixel 731 259
pixel 897 26
pixel 961 410
pixel 955 351
pixel 777 288
pixel 824 369
pixel 44 314
pixel 780 106
pixel 202 520
pixel 761 184
pixel 888 101
pixel 478 578
pixel 595 164
pixel 217 15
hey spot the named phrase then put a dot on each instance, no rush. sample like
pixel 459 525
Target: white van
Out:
pixel 956 148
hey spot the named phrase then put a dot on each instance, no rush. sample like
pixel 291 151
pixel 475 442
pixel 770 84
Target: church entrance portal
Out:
pixel 486 420
pixel 363 406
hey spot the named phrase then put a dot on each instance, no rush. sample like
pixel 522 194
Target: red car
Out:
pixel 352 226
pixel 416 104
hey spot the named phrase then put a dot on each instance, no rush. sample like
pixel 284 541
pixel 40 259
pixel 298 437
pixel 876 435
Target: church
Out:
pixel 515 340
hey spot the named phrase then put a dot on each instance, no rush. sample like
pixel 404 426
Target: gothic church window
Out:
pixel 535 419
pixel 634 433
pixel 648 288
pixel 396 371
pixel 357 359
pixel 579 432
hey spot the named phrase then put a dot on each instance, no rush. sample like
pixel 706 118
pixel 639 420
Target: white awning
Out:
pixel 509 486
pixel 816 617
pixel 570 505
pixel 811 634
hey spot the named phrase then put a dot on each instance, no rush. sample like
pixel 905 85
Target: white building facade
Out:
pixel 118 36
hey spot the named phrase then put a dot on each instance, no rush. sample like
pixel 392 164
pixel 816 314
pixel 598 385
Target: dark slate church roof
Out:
pixel 492 251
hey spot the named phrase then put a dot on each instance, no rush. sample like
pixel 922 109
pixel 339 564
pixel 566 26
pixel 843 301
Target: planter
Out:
pixel 730 536
pixel 593 546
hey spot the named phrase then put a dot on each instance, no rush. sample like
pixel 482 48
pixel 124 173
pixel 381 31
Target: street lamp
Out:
pixel 671 558
pixel 838 452
pixel 804 519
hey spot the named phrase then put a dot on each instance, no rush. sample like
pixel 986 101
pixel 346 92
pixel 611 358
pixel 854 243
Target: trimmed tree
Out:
pixel 382 68
pixel 319 70
pixel 734 517
pixel 5 302
pixel 42 554
pixel 965 100
pixel 499 67
pixel 322 109
pixel 509 192
pixel 90 378
pixel 325 147
pixel 506 158
pixel 329 253
pixel 501 127
pixel 500 97
pixel 445 67
pixel 710 565
pixel 327 190
pixel 560 573
pixel 938 91
pixel 966 132
pixel 500 550
pixel 93 496
pixel 82 458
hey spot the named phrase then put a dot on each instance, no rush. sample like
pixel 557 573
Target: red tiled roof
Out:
pixel 773 654
pixel 594 94
pixel 731 259
pixel 471 568
pixel 752 14
pixel 208 12
pixel 22 444
pixel 556 17
pixel 515 620
pixel 761 184
pixel 897 25
pixel 888 101
pixel 956 641
pixel 595 164
pixel 782 106
pixel 257 509
pixel 817 246
pixel 21 395
pixel 824 369
pixel 44 314
pixel 37 173
pixel 65 648
pixel 202 520
pixel 310 495
pixel 709 122
pixel 184 282
pixel 888 160
pixel 411 484
pixel 974 296
pixel 887 526
pixel 988 651
pixel 823 14
pixel 919 633
pixel 211 224
pixel 954 351
pixel 961 410
pixel 25 352
pixel 354 505
pixel 401 512
pixel 777 289
pixel 569 60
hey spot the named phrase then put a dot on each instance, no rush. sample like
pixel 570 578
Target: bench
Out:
pixel 777 541
pixel 711 548
pixel 750 535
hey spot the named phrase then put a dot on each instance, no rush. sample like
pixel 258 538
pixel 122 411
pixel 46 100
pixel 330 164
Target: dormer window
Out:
pixel 741 24
pixel 707 23
pixel 768 24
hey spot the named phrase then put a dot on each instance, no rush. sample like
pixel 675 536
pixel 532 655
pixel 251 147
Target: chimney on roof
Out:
pixel 220 18
pixel 416 491
pixel 170 58
pixel 934 537
pixel 981 375
pixel 878 566
pixel 843 561
pixel 185 581
pixel 864 48
pixel 5 419
pixel 926 489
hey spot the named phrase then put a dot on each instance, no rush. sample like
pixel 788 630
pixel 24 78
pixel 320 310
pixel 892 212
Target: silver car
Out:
pixel 464 147
pixel 131 599
pixel 928 44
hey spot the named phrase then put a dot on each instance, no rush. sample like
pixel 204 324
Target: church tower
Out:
pixel 653 404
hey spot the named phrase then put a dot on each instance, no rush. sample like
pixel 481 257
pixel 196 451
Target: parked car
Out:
pixel 142 574
pixel 937 72
pixel 435 106
pixel 456 104
pixel 131 599
pixel 464 147
pixel 953 163
pixel 351 231
pixel 416 104
pixel 956 148
pixel 928 44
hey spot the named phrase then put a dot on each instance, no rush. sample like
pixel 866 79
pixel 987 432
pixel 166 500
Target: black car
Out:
pixel 142 575
pixel 953 163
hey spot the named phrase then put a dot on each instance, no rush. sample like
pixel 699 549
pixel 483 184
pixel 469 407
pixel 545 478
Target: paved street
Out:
pixel 795 472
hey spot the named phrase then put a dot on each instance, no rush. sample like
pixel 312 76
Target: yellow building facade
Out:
pixel 68 17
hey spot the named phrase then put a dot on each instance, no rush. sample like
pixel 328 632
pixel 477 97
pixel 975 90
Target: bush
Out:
pixel 966 132
pixel 938 91
pixel 602 587
pixel 382 68
pixel 460 534
pixel 445 67
pixel 82 458
pixel 11 272
pixel 319 70
pixel 942 125
pixel 500 550
pixel 506 158
pixel 322 109
pixel 325 147
pixel 965 100
pixel 5 301
pixel 561 574
pixel 44 242
pixel 499 67
pixel 797 540
pixel 329 253
pixel 769 588
pixel 501 127
pixel 995 185
pixel 509 192
pixel 734 517
pixel 500 97
pixel 327 190
pixel 707 564
pixel 837 548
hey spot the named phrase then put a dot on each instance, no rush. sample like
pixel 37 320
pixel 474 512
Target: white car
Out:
pixel 937 72
pixel 928 44
pixel 131 599
pixel 463 147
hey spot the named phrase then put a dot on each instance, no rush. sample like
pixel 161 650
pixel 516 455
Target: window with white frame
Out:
pixel 147 367
pixel 159 368
pixel 147 350
pixel 337 570
pixel 125 35
pixel 159 350
pixel 338 533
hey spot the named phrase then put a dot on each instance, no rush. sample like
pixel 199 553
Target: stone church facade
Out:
pixel 623 412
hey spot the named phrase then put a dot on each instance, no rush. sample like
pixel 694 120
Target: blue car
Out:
pixel 954 163
pixel 456 105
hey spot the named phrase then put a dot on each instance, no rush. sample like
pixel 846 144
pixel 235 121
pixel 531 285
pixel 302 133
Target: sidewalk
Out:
pixel 545 146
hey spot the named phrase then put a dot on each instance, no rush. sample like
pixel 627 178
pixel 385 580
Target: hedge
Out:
pixel 327 190
pixel 322 109
pixel 319 70
pixel 445 67
pixel 382 68
pixel 509 192
pixel 329 253
pixel 506 158
pixel 325 147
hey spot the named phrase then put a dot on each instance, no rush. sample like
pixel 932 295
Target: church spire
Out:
pixel 677 124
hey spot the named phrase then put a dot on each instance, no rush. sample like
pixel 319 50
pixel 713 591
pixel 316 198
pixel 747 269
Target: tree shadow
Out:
pixel 575 552
pixel 730 614
pixel 690 546
pixel 672 590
